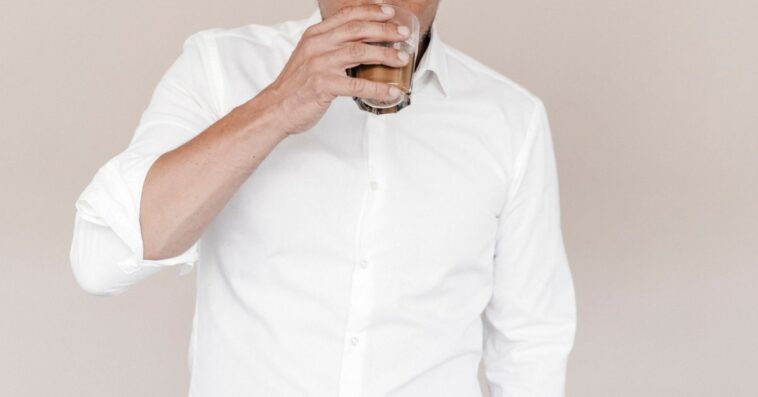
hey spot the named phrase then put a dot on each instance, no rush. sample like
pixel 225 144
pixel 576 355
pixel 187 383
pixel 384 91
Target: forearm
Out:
pixel 186 187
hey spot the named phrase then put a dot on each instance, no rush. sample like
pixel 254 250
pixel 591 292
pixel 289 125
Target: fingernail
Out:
pixel 402 55
pixel 404 30
pixel 387 10
pixel 395 92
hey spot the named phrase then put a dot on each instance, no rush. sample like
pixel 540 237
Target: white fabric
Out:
pixel 358 258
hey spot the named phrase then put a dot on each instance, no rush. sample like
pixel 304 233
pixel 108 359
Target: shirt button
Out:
pixel 364 264
pixel 354 340
pixel 374 185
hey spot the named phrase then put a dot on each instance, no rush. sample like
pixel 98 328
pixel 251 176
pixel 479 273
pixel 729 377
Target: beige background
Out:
pixel 653 107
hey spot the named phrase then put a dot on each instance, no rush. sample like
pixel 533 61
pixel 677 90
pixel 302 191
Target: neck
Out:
pixel 423 45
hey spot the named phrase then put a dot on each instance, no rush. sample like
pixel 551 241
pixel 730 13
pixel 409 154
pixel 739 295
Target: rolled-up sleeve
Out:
pixel 107 248
pixel 530 321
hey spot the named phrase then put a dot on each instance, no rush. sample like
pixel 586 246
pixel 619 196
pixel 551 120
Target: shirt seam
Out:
pixel 212 69
pixel 522 159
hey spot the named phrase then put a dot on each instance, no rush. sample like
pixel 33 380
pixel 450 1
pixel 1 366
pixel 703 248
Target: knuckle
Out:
pixel 391 54
pixel 332 34
pixel 306 46
pixel 310 46
pixel 345 12
pixel 380 90
pixel 356 50
pixel 310 31
pixel 354 27
pixel 357 85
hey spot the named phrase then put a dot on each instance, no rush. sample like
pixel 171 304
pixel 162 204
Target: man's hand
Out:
pixel 315 73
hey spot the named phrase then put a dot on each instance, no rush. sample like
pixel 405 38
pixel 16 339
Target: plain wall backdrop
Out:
pixel 654 111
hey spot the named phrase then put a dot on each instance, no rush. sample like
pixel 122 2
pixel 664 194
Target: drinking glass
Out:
pixel 401 77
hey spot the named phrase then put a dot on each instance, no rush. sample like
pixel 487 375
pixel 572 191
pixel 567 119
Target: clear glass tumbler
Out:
pixel 401 77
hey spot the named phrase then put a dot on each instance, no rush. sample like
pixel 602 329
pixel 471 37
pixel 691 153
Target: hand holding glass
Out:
pixel 401 77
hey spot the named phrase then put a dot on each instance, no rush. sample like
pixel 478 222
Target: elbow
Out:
pixel 89 282
pixel 85 271
pixel 94 288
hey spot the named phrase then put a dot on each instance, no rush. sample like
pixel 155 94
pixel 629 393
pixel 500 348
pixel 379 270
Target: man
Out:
pixel 341 252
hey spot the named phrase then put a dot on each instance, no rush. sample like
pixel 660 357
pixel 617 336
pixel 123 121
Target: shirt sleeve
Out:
pixel 530 320
pixel 107 248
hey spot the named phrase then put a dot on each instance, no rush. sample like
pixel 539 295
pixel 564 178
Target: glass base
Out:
pixel 392 109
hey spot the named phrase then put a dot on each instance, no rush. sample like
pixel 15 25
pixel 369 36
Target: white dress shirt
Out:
pixel 358 258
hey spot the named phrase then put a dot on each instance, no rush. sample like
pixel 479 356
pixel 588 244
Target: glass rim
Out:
pixel 397 7
pixel 414 37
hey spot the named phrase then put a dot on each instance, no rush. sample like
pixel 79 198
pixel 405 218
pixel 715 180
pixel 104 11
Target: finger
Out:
pixel 368 31
pixel 357 53
pixel 366 12
pixel 362 88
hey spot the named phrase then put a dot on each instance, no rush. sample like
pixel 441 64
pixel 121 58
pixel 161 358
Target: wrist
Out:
pixel 265 115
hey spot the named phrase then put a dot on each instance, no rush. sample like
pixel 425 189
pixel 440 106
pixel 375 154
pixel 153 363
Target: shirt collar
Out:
pixel 433 60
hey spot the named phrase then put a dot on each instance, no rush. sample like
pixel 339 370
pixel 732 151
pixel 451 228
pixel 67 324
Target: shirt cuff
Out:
pixel 112 199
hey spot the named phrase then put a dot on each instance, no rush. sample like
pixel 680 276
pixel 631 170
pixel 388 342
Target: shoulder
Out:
pixel 233 39
pixel 232 53
pixel 230 63
pixel 468 73
pixel 514 106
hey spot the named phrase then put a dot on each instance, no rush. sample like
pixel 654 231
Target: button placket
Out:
pixel 360 304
